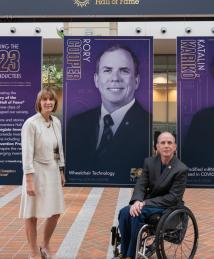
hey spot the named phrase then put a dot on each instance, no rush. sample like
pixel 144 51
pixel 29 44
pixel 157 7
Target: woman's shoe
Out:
pixel 45 254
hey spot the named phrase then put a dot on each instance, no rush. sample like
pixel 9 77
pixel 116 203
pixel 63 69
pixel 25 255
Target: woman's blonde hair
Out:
pixel 44 93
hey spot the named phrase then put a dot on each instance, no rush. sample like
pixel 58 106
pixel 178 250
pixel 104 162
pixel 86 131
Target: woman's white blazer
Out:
pixel 34 144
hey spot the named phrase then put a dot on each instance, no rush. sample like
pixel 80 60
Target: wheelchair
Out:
pixel 171 235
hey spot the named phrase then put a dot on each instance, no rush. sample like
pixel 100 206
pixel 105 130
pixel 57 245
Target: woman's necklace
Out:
pixel 48 124
pixel 48 121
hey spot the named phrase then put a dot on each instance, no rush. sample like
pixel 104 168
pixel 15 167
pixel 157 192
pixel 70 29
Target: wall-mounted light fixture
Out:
pixel 13 29
pixel 138 30
pixel 37 30
pixel 61 30
pixel 163 30
pixel 188 30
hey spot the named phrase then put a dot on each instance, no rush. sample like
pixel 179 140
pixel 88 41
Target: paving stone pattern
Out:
pixel 94 238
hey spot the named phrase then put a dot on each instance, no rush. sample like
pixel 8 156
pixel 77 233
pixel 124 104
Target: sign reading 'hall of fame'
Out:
pixel 85 3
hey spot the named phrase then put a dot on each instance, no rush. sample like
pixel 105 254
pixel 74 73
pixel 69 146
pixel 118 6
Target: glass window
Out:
pixel 52 76
pixel 164 94
pixel 171 78
pixel 160 78
pixel 52 72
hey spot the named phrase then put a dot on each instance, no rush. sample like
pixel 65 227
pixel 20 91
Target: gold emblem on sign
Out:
pixel 135 173
pixel 81 3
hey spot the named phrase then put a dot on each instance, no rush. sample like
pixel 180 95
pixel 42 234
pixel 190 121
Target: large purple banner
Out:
pixel 107 109
pixel 20 80
pixel 195 81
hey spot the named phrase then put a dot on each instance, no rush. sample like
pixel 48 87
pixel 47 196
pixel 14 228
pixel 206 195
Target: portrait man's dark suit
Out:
pixel 127 149
pixel 197 148
pixel 161 189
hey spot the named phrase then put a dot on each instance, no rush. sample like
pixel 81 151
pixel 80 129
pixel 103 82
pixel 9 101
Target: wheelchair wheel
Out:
pixel 177 235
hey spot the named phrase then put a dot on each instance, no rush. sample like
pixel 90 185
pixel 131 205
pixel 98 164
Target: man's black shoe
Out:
pixel 120 256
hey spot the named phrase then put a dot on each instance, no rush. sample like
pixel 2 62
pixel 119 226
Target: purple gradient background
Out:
pixel 81 95
pixel 30 68
pixel 193 94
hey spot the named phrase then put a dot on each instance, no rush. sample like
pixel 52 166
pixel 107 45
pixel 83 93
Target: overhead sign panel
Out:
pixel 105 8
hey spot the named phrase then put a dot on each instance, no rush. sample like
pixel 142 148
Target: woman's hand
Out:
pixel 62 178
pixel 30 185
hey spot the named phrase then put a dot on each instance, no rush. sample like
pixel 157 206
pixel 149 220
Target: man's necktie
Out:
pixel 107 132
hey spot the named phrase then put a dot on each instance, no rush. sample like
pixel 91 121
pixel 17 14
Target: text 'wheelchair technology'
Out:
pixel 172 235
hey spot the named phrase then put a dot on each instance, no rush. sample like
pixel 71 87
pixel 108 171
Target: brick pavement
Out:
pixel 95 236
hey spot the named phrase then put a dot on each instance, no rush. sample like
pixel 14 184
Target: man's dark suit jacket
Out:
pixel 128 149
pixel 158 189
pixel 197 148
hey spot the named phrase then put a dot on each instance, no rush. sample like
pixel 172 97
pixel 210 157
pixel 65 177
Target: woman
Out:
pixel 43 178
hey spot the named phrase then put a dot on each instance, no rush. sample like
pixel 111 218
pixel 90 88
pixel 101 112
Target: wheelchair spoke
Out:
pixel 183 253
pixel 176 249
pixel 186 246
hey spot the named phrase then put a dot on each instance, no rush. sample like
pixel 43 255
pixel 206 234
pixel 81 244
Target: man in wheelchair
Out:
pixel 161 186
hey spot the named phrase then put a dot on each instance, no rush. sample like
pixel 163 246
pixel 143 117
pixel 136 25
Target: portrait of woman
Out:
pixel 43 173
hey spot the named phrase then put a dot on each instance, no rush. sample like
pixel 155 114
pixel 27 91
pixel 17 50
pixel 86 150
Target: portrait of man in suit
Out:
pixel 114 137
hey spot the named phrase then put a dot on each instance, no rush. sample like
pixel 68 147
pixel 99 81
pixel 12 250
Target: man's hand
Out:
pixel 135 209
